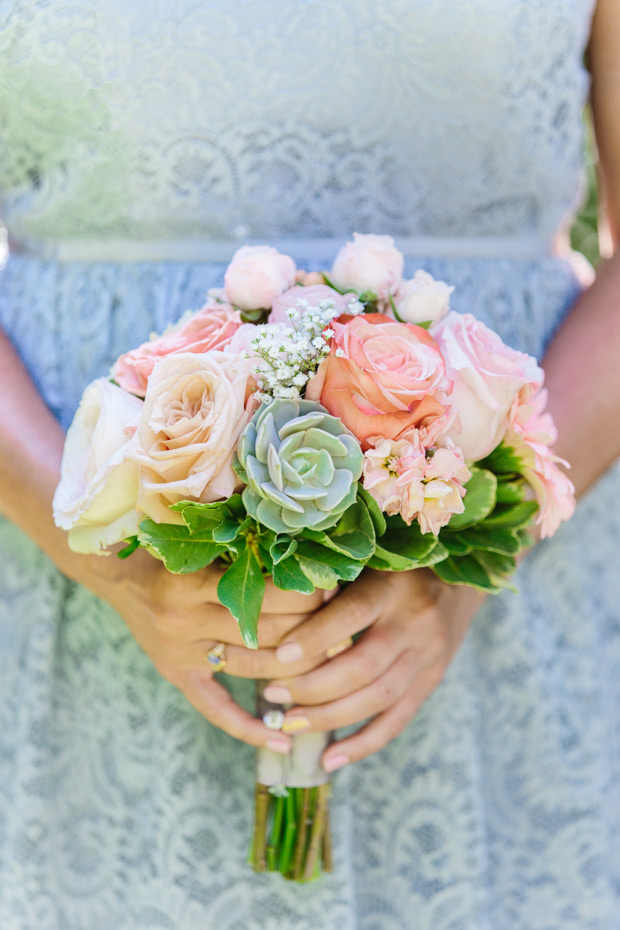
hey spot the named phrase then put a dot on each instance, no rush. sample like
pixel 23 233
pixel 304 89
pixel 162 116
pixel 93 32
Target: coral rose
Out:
pixel 381 378
pixel 487 376
pixel 211 328
pixel 194 411
pixel 257 275
pixel 98 491
pixel 369 263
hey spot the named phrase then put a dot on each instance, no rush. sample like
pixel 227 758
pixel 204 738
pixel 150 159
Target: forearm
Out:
pixel 582 374
pixel 31 444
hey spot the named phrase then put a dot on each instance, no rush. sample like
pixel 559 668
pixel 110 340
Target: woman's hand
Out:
pixel 177 619
pixel 414 625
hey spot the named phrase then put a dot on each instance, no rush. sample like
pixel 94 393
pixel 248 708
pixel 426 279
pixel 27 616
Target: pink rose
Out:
pixel 487 377
pixel 531 433
pixel 422 299
pixel 194 411
pixel 314 294
pixel 369 263
pixel 381 378
pixel 98 491
pixel 211 328
pixel 257 275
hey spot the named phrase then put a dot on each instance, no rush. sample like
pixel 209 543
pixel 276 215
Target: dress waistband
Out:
pixel 319 249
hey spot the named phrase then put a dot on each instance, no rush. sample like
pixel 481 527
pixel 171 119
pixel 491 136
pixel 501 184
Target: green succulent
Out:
pixel 300 465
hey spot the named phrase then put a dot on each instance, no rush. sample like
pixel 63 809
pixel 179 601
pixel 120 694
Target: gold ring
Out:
pixel 341 647
pixel 216 657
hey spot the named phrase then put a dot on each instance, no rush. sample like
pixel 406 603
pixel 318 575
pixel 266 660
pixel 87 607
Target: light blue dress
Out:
pixel 140 143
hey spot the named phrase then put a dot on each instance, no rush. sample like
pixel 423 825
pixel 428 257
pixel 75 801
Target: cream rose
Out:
pixel 256 275
pixel 422 299
pixel 369 263
pixel 98 491
pixel 487 376
pixel 194 410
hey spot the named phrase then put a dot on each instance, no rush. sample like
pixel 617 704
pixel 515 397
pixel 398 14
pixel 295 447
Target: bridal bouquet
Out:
pixel 303 426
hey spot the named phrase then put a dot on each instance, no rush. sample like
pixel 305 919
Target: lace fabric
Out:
pixel 311 118
pixel 121 808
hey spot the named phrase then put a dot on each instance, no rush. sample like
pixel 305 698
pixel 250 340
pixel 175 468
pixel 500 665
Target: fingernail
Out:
pixel 276 694
pixel 289 652
pixel 295 724
pixel 335 762
pixel 282 746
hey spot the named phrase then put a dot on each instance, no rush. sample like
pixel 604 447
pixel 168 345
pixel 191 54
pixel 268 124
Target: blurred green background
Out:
pixel 585 230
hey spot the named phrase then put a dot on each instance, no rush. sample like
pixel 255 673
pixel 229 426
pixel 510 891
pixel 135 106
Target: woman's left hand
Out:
pixel 414 625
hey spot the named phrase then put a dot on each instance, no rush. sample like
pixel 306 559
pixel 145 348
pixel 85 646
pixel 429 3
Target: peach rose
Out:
pixel 98 491
pixel 369 263
pixel 381 378
pixel 257 275
pixel 487 375
pixel 313 294
pixel 422 299
pixel 211 328
pixel 194 411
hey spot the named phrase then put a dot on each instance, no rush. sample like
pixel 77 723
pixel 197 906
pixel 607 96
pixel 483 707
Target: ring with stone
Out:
pixel 273 719
pixel 341 647
pixel 216 657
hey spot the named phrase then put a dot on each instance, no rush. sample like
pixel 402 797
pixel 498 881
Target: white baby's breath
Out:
pixel 286 356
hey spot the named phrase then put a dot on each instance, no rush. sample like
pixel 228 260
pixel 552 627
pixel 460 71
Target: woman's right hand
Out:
pixel 177 619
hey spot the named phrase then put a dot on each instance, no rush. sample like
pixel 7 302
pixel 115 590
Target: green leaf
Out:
pixel 455 544
pixel 353 535
pixel 510 492
pixel 513 517
pixel 320 574
pixel 407 542
pixel 376 514
pixel 343 566
pixel 181 550
pixel 252 316
pixel 200 518
pixel 331 284
pixel 235 506
pixel 133 543
pixel 495 563
pixel 288 576
pixel 241 588
pixel 397 316
pixel 282 548
pixel 465 571
pixel 479 499
pixel 495 538
pixel 503 460
pixel 227 530
pixel 265 557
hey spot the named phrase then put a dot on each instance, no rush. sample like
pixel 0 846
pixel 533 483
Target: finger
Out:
pixel 373 699
pixel 373 653
pixel 380 731
pixel 250 663
pixel 220 625
pixel 214 702
pixel 353 610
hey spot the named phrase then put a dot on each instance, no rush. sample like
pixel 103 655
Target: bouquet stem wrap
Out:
pixel 291 827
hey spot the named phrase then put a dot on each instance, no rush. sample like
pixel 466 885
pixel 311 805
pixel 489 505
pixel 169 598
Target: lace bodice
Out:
pixel 310 118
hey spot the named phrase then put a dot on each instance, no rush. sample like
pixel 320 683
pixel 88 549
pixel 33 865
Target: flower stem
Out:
pixel 317 832
pixel 260 827
pixel 302 832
